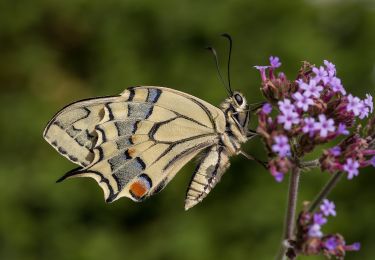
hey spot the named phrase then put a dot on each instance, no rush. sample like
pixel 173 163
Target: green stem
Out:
pixel 325 191
pixel 291 211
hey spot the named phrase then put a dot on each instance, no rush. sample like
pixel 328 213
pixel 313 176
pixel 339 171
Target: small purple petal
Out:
pixel 286 106
pixel 351 167
pixel 321 74
pixel 267 108
pixel 369 103
pixel 279 177
pixel 354 105
pixel 319 219
pixel 275 62
pixel 328 208
pixel 331 244
pixel 331 68
pixel 353 247
pixel 324 126
pixel 373 161
pixel 335 151
pixel 309 126
pixel 288 119
pixel 302 101
pixel 341 129
pixel 314 231
pixel 281 146
pixel 310 89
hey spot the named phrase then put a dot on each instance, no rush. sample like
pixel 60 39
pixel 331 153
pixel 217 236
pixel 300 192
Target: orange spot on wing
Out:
pixel 138 189
pixel 132 151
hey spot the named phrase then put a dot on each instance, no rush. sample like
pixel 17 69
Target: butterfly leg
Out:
pixel 250 157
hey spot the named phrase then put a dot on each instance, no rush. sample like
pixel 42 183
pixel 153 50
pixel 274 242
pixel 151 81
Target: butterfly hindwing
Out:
pixel 142 138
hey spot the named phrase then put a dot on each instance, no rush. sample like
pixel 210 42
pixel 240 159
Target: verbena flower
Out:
pixel 288 119
pixel 311 88
pixel 319 219
pixel 281 146
pixel 354 105
pixel 324 125
pixel 275 62
pixel 267 108
pixel 315 231
pixel 309 125
pixel 320 74
pixel 286 106
pixel 351 167
pixel 328 208
pixel 302 101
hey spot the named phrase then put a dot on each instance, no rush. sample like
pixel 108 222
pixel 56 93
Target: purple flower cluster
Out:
pixel 311 110
pixel 312 241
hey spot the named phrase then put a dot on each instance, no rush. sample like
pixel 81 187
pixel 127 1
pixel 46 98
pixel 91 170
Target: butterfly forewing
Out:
pixel 138 141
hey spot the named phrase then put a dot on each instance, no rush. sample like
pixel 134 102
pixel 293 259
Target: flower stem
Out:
pixel 325 191
pixel 291 211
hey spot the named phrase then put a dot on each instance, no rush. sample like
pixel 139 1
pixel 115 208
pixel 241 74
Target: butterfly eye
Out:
pixel 238 99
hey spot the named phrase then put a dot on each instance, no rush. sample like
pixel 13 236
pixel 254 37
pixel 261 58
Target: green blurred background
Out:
pixel 56 52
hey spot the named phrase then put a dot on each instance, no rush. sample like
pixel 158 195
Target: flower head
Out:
pixel 351 167
pixel 281 146
pixel 328 208
pixel 324 126
pixel 275 62
pixel 331 243
pixel 336 85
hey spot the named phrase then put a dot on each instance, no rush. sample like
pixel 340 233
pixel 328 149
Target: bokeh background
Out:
pixel 56 52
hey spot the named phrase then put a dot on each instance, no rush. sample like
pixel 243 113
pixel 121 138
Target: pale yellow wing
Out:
pixel 142 138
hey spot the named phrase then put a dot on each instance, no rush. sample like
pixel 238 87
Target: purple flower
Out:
pixel 309 125
pixel 336 85
pixel 324 126
pixel 354 105
pixel 331 68
pixel 281 146
pixel 351 167
pixel 328 208
pixel 262 70
pixel 353 247
pixel 286 106
pixel 314 231
pixel 363 110
pixel 341 129
pixel 311 89
pixel 335 151
pixel 331 244
pixel 373 161
pixel 369 103
pixel 302 101
pixel 320 74
pixel 275 62
pixel 279 176
pixel 267 108
pixel 319 219
pixel 288 119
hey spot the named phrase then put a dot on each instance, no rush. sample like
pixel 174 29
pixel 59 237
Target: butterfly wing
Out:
pixel 142 138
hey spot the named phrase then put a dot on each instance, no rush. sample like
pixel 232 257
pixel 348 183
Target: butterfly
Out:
pixel 133 144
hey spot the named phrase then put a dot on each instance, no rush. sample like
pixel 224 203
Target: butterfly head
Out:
pixel 236 110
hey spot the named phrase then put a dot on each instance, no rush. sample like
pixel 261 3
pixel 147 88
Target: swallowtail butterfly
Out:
pixel 133 144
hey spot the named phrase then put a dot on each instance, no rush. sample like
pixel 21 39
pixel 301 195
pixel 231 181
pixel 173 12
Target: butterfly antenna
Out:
pixel 229 56
pixel 213 51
